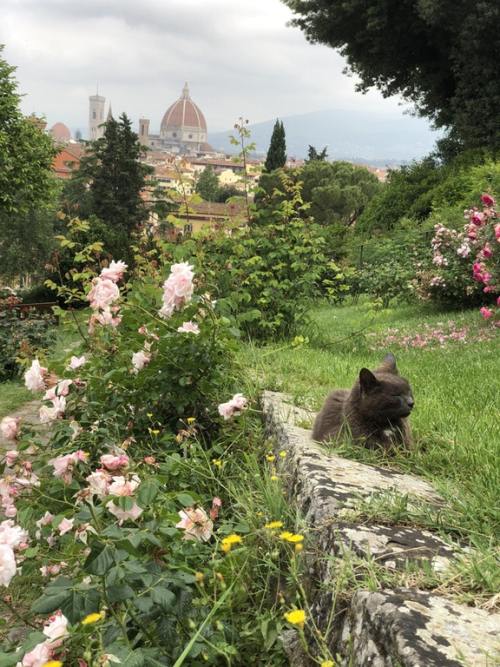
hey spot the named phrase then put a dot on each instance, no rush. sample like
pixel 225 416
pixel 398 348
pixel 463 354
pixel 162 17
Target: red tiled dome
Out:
pixel 184 112
pixel 60 132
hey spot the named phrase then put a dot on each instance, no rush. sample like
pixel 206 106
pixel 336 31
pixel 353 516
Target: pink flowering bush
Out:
pixel 466 262
pixel 115 518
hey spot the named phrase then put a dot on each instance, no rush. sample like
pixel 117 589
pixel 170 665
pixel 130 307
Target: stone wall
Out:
pixel 403 627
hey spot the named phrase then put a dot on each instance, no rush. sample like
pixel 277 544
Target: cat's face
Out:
pixel 384 395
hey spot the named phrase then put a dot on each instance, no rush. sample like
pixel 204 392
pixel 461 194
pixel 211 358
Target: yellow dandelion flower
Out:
pixel 283 454
pixel 271 458
pixel 229 541
pixel 52 663
pixel 296 617
pixel 274 478
pixel 273 525
pixel 327 663
pixel 291 537
pixel 149 414
pixel 191 420
pixel 298 548
pixel 93 618
pixel 217 462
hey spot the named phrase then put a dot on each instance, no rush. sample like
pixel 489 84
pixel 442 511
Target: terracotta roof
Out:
pixel 184 112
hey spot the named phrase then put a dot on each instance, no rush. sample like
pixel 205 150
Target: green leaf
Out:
pixel 10 659
pixel 99 563
pixel 48 603
pixel 185 499
pixel 163 597
pixel 119 593
pixel 147 493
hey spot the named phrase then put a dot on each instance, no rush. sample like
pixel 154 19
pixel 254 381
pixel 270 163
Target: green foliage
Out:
pixel 414 191
pixel 27 186
pixel 23 333
pixel 313 154
pixel 442 57
pixel 388 265
pixel 207 185
pixel 276 154
pixel 265 274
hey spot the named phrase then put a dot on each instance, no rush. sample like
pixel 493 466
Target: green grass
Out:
pixel 12 395
pixel 456 388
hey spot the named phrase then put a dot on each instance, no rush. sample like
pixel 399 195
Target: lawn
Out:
pixel 456 383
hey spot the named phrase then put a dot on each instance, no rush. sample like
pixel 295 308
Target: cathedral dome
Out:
pixel 183 114
pixel 60 132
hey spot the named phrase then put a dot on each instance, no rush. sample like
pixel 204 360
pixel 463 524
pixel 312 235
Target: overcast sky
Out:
pixel 239 57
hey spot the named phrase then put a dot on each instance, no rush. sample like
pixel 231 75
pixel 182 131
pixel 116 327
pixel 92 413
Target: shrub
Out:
pixel 467 261
pixel 264 275
pixel 23 333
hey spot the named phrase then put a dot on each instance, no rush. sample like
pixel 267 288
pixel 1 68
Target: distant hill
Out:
pixel 352 135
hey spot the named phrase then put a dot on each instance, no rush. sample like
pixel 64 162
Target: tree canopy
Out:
pixel 442 56
pixel 207 185
pixel 314 154
pixel 276 155
pixel 27 185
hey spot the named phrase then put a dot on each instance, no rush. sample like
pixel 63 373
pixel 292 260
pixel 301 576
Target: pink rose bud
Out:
pixel 497 232
pixel 477 218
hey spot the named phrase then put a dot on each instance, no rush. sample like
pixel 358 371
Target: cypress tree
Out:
pixel 276 155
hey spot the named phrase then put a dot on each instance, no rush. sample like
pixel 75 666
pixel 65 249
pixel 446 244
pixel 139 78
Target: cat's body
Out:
pixel 374 412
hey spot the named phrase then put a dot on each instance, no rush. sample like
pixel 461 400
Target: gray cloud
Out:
pixel 239 57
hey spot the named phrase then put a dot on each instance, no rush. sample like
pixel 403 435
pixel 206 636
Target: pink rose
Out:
pixel 114 271
pixel 10 457
pixel 497 232
pixel 486 312
pixel 103 294
pixel 56 628
pixel 486 252
pixel 139 360
pixel 477 218
pixel 189 327
pixel 177 289
pixel 124 515
pixel 34 378
pixel 77 362
pixel 487 199
pixel 11 535
pixel 99 482
pixel 122 487
pixel 9 426
pixel 195 524
pixel 233 407
pixel 38 656
pixel 112 462
pixel 8 565
pixel 48 414
pixel 65 526
pixel 60 389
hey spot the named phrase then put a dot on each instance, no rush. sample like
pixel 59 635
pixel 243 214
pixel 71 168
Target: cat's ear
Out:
pixel 367 380
pixel 388 364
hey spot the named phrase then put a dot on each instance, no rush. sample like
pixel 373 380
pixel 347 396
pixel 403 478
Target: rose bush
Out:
pixel 121 524
pixel 466 262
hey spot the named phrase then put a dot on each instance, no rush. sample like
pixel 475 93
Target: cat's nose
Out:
pixel 410 402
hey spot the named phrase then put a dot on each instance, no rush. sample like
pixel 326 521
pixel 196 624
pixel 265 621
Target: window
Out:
pixel 174 134
pixel 190 136
pixel 94 115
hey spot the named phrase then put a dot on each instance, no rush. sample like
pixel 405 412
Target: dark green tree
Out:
pixel 276 155
pixel 207 185
pixel 109 185
pixel 225 192
pixel 443 56
pixel 312 154
pixel 27 184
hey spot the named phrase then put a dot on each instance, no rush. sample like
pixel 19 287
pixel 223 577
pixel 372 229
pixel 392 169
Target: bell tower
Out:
pixel 96 116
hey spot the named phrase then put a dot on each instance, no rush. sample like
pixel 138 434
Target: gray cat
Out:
pixel 374 412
